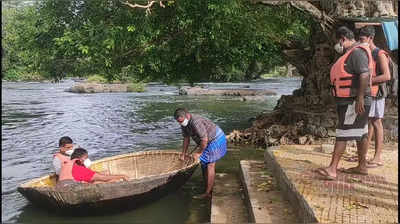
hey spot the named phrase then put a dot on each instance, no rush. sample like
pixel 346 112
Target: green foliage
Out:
pixel 96 79
pixel 279 71
pixel 136 87
pixel 189 40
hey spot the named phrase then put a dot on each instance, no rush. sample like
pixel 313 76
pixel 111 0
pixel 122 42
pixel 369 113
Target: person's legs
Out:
pixel 378 129
pixel 210 178
pixel 204 171
pixel 340 146
pixel 370 130
pixel 362 149
pixel 371 117
pixel 360 128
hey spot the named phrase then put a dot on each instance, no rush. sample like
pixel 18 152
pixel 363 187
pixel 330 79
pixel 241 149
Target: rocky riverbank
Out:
pixel 198 90
pixel 299 125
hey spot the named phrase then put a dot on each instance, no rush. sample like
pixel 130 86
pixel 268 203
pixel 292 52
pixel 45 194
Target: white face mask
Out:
pixel 87 163
pixel 69 152
pixel 185 122
pixel 339 48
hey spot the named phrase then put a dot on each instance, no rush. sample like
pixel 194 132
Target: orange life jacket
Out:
pixel 341 80
pixel 66 170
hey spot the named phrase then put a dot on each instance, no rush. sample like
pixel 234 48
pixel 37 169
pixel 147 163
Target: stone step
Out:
pixel 264 200
pixel 227 204
pixel 350 198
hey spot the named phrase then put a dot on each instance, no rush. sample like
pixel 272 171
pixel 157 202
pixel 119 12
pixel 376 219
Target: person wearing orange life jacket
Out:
pixel 350 78
pixel 63 155
pixel 77 170
pixel 375 127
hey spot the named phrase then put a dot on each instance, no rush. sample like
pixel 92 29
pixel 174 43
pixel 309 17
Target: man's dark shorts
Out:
pixel 351 126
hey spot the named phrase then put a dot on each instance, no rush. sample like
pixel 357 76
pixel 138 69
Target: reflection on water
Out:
pixel 36 115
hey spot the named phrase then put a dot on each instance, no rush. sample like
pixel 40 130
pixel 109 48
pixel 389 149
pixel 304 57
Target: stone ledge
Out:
pixel 350 198
pixel 304 211
pixel 244 168
pixel 227 191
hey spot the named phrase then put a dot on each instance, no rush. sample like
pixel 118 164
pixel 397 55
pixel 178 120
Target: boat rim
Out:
pixel 28 183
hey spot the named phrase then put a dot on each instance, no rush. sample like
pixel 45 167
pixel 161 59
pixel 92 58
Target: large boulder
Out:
pixel 97 88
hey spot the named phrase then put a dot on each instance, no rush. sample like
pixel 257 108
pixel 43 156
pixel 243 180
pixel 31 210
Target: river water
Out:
pixel 36 115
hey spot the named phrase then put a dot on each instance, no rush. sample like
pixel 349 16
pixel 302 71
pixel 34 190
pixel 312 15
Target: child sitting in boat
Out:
pixel 63 155
pixel 76 170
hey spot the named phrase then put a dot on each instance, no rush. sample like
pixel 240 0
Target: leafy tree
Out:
pixel 188 40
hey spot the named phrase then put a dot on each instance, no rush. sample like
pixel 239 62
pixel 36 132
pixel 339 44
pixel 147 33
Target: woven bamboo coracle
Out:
pixel 152 175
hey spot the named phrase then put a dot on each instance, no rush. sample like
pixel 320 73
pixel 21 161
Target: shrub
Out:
pixel 136 87
pixel 17 75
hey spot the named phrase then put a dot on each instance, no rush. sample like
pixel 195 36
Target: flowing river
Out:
pixel 36 115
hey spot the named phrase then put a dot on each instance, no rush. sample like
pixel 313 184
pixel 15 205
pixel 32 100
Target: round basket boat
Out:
pixel 152 175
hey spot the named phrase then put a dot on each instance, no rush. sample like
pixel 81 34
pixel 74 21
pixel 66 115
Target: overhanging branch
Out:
pixel 318 15
pixel 147 7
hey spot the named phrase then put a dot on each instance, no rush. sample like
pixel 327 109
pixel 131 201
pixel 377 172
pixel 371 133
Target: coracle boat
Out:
pixel 152 175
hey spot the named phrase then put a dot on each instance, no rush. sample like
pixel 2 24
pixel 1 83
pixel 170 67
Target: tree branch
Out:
pixel 147 7
pixel 319 15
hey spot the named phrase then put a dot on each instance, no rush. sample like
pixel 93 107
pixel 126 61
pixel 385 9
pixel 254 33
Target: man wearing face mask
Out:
pixel 210 140
pixel 63 155
pixel 77 170
pixel 351 85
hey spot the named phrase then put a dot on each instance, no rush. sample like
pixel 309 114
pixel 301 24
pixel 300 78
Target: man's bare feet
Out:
pixel 202 196
pixel 326 174
pixel 355 170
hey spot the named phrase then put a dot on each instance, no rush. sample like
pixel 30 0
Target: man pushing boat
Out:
pixel 211 142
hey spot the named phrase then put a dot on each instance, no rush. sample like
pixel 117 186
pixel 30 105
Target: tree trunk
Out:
pixel 309 115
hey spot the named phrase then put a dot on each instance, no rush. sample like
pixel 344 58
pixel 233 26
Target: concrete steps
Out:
pixel 251 196
pixel 227 205
pixel 264 200
pixel 350 198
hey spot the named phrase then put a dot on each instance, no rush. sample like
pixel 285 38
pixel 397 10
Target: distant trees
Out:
pixel 188 40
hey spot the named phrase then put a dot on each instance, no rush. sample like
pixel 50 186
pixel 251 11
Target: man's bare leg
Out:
pixel 204 172
pixel 340 146
pixel 370 131
pixel 362 149
pixel 378 129
pixel 210 178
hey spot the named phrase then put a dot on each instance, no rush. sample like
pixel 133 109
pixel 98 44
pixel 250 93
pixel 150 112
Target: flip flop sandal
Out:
pixel 374 164
pixel 351 159
pixel 353 170
pixel 322 172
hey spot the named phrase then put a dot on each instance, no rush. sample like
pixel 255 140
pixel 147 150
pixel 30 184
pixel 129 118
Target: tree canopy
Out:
pixel 188 40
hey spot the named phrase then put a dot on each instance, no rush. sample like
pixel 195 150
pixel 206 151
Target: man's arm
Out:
pixel 202 134
pixel 186 142
pixel 359 63
pixel 57 165
pixel 383 62
pixel 203 144
pixel 185 146
pixel 364 80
